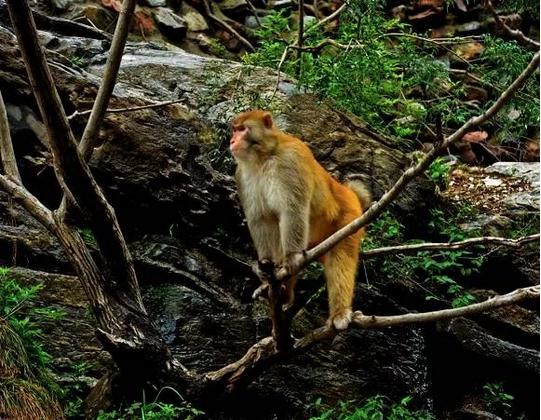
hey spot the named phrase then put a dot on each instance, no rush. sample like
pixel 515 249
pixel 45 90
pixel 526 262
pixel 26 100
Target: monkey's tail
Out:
pixel 362 192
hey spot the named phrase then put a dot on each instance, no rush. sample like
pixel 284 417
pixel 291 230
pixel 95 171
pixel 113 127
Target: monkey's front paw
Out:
pixel 261 292
pixel 263 268
pixel 290 264
pixel 341 321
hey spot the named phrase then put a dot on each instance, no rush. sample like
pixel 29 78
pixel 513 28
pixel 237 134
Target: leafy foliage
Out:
pixel 497 400
pixel 374 408
pixel 26 385
pixel 437 271
pixel 394 81
pixel 154 411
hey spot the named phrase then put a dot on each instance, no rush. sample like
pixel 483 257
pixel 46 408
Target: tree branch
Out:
pixel 513 33
pixel 265 353
pixel 109 79
pixel 227 27
pixel 22 196
pixel 377 208
pixel 518 295
pixel 485 240
pixel 131 109
pixel 71 171
pixel 7 156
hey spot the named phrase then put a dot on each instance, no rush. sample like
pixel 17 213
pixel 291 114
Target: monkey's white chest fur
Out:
pixel 260 193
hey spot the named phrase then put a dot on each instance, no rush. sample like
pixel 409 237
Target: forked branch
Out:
pixel 264 353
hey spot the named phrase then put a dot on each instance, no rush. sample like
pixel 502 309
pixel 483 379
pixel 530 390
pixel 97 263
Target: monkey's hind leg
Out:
pixel 340 268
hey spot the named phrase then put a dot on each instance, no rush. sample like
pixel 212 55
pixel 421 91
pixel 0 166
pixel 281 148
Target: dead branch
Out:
pixel 130 109
pixel 7 156
pixel 417 169
pixel 264 353
pixel 431 246
pixel 322 44
pixel 513 33
pixel 41 213
pixel 227 27
pixel 109 79
pixel 518 295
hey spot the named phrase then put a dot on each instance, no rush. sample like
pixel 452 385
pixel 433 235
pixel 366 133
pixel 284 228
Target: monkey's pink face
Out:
pixel 239 140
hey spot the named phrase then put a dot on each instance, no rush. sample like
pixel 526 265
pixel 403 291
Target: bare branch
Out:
pixel 227 27
pixel 518 295
pixel 109 79
pixel 7 156
pixel 417 169
pixel 264 354
pixel 22 196
pixel 513 33
pixel 131 109
pixel 485 240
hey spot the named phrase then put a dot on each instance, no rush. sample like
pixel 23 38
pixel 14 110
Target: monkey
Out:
pixel 291 203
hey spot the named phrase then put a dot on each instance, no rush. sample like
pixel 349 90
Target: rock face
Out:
pixel 167 172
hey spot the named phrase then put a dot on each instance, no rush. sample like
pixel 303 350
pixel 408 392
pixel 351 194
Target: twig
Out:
pixel 326 20
pixel 254 11
pixel 513 33
pixel 227 27
pixel 417 169
pixel 7 155
pixel 420 38
pixel 486 240
pixel 109 79
pixel 324 43
pixel 130 109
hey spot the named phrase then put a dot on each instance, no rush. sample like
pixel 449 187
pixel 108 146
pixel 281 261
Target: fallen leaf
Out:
pixel 475 136
pixel 116 5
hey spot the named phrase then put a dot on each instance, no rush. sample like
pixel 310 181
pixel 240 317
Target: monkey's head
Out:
pixel 253 135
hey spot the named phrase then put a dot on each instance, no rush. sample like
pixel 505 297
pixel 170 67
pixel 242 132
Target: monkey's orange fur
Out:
pixel 292 203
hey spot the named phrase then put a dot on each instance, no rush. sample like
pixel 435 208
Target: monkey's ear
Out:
pixel 267 120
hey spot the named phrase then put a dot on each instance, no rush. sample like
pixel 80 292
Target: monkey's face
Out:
pixel 239 140
pixel 252 135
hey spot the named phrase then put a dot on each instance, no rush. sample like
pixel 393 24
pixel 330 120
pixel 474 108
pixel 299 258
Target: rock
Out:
pixel 99 16
pixel 64 4
pixel 194 20
pixel 520 202
pixel 155 3
pixel 492 349
pixel 170 24
pixel 232 5
pixel 251 22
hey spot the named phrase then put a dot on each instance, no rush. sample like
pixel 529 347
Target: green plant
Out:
pixel 155 410
pixel 26 384
pixel 397 83
pixel 497 400
pixel 373 408
pixel 438 171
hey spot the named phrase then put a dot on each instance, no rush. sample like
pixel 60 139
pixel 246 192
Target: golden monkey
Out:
pixel 292 203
